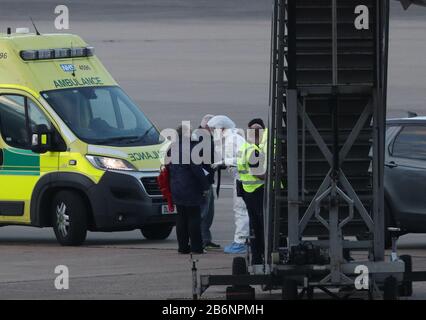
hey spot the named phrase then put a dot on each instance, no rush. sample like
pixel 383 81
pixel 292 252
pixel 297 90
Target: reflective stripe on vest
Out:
pixel 250 183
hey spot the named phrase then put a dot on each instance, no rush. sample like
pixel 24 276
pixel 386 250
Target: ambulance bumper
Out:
pixel 127 201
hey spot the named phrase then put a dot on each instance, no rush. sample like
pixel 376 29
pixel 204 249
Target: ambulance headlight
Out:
pixel 106 163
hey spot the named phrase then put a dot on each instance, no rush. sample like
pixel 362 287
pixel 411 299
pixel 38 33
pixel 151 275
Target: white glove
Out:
pixel 216 165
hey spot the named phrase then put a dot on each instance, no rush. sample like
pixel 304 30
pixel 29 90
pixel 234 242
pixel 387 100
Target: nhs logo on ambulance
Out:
pixel 67 67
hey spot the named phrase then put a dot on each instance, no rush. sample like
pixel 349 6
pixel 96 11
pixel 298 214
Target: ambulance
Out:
pixel 76 153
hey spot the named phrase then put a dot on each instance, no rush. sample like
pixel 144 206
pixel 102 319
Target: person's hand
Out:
pixel 232 171
pixel 206 193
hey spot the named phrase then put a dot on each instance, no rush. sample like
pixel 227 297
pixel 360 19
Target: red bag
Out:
pixel 164 183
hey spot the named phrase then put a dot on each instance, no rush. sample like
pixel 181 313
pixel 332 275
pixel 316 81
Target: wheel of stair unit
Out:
pixel 310 293
pixel 239 266
pixel 243 292
pixel 390 289
pixel 290 291
pixel 406 288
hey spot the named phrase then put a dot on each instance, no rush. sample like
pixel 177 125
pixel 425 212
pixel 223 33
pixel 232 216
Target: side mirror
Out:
pixel 41 139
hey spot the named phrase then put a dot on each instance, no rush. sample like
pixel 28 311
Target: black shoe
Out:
pixel 211 245
pixel 184 251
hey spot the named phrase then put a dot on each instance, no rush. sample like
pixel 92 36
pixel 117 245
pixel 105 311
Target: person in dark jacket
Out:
pixel 207 207
pixel 189 186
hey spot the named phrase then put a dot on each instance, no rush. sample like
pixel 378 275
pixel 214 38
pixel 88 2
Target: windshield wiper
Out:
pixel 129 139
pixel 118 139
pixel 146 132
pixel 139 138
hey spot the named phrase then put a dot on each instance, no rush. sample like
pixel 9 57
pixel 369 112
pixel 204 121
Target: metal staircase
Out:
pixel 328 98
pixel 324 191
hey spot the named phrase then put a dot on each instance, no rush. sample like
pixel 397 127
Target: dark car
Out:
pixel 405 174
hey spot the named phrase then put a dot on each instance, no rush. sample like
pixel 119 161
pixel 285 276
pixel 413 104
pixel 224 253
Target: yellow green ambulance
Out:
pixel 76 153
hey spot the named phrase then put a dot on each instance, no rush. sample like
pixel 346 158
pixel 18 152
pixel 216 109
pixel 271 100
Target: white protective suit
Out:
pixel 242 228
pixel 231 142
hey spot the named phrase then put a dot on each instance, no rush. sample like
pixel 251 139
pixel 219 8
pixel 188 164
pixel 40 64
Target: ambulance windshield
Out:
pixel 103 116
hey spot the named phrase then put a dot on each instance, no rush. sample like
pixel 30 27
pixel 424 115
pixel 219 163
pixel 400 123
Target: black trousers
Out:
pixel 188 229
pixel 254 203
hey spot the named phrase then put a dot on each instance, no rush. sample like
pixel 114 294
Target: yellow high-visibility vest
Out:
pixel 264 143
pixel 250 183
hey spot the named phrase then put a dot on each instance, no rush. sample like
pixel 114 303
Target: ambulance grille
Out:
pixel 151 186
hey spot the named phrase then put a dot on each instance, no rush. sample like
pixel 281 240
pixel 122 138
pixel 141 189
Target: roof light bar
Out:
pixel 90 51
pixel 29 55
pixel 77 52
pixel 61 53
pixel 45 54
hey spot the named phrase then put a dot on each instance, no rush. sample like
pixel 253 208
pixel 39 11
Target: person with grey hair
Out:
pixel 189 187
pixel 207 206
pixel 229 142
pixel 205 120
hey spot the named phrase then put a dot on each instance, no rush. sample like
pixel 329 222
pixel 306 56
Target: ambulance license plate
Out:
pixel 165 210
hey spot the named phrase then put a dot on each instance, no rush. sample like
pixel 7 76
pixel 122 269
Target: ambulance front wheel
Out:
pixel 157 231
pixel 69 217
